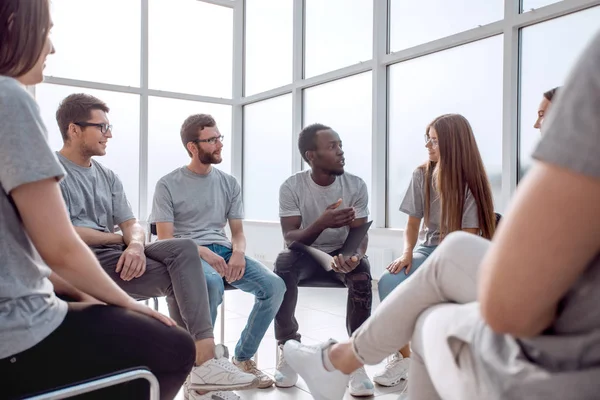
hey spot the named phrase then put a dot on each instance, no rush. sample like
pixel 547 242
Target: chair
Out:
pixel 101 382
pixel 498 218
pixel 153 232
pixel 317 281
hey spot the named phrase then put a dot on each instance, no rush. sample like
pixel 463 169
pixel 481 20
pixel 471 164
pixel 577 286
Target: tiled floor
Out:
pixel 321 315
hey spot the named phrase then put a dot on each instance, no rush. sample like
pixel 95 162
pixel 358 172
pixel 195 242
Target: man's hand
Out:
pixel 334 218
pixel 345 265
pixel 404 261
pixel 237 266
pixel 132 263
pixel 214 260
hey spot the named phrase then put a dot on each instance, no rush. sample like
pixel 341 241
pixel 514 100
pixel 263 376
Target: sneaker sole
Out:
pixel 365 393
pixel 213 388
pixel 391 384
pixel 265 385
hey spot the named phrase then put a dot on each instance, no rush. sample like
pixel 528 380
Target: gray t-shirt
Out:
pixel 94 196
pixel 199 206
pixel 29 310
pixel 564 361
pixel 413 204
pixel 300 196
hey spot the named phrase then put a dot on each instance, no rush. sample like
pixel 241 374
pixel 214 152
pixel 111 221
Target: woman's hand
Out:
pixel 144 309
pixel 403 262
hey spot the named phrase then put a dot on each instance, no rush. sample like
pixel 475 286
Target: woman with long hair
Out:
pixel 45 342
pixel 450 192
pixel 515 318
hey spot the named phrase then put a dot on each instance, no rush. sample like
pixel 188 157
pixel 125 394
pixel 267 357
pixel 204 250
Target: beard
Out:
pixel 209 158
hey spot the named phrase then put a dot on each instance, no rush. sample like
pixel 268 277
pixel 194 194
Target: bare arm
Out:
pixel 474 231
pixel 92 237
pixel 64 288
pixel 292 232
pixel 411 234
pixel 133 232
pixel 42 210
pixel 541 248
pixel 165 230
pixel 238 239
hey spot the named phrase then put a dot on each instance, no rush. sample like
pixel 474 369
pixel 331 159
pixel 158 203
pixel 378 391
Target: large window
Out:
pixel 165 149
pixel 267 155
pixel 191 47
pixel 269 31
pixel 415 22
pixel 530 5
pixel 345 106
pixel 338 33
pixel 465 80
pixel 549 51
pixel 96 41
pixel 122 152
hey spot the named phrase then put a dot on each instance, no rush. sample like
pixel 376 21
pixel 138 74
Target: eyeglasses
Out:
pixel 212 140
pixel 434 142
pixel 104 128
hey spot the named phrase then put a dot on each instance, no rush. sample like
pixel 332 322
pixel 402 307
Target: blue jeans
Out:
pixel 258 280
pixel 389 281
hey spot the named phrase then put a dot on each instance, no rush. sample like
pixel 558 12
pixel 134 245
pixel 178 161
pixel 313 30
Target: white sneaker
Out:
pixel 189 394
pixel 220 374
pixel 285 376
pixel 395 371
pixel 360 384
pixel 193 395
pixel 307 361
pixel 249 366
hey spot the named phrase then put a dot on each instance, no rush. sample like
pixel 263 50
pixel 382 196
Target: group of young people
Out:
pixel 473 311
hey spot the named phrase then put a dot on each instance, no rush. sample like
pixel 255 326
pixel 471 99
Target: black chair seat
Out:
pixel 321 282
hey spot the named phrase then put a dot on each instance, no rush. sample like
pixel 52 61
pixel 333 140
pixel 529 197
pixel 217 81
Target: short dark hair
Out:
pixel 307 140
pixel 549 95
pixel 77 107
pixel 190 130
pixel 24 29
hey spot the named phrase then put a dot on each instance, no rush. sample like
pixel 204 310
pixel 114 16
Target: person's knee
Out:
pixel 388 282
pixel 277 288
pixel 284 263
pixel 457 241
pixel 186 248
pixel 359 283
pixel 215 287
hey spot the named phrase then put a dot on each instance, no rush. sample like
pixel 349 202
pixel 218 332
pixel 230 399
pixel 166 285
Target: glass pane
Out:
pixel 416 22
pixel 548 52
pixel 337 34
pixel 269 36
pixel 267 125
pixel 109 53
pixel 165 150
pixel 465 80
pixel 123 151
pixel 345 105
pixel 191 47
pixel 530 5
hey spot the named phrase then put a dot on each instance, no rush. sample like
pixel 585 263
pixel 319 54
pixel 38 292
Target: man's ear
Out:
pixel 310 155
pixel 191 147
pixel 72 131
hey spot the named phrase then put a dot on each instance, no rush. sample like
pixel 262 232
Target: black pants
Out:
pixel 294 267
pixel 94 340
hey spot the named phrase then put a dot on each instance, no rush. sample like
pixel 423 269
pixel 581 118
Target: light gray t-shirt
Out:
pixel 199 206
pixel 564 361
pixel 29 310
pixel 413 204
pixel 300 196
pixel 94 196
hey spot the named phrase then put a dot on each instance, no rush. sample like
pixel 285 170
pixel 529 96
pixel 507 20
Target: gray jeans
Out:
pixel 174 270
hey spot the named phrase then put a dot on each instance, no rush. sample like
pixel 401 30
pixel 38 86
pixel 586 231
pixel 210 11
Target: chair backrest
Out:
pixel 153 230
pixel 100 382
pixel 498 218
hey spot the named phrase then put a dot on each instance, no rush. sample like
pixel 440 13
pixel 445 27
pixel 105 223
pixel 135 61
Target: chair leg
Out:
pixel 223 320
pixel 155 303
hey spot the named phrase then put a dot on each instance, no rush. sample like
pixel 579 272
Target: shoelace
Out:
pixel 223 362
pixel 393 361
pixel 251 368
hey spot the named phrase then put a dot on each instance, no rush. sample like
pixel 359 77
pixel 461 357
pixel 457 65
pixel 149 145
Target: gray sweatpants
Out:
pixel 435 309
pixel 174 270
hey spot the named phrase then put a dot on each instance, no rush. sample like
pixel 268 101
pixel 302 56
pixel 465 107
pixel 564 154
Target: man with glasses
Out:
pixel 96 203
pixel 196 201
